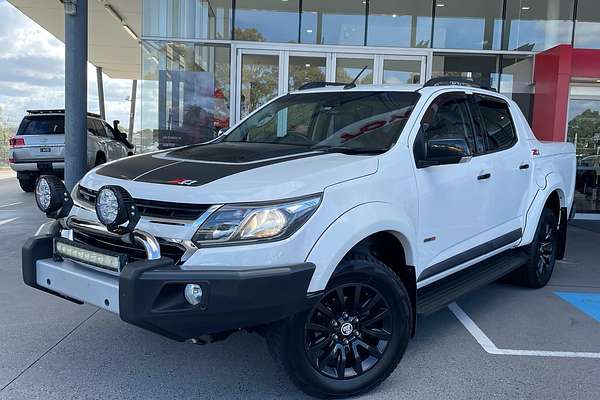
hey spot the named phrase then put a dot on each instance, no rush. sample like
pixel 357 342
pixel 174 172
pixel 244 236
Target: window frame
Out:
pixel 476 111
pixel 470 121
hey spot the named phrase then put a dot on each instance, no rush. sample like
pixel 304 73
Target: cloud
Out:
pixel 32 72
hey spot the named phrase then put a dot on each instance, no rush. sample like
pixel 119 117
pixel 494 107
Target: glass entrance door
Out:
pixel 264 74
pixel 258 78
pixel 584 131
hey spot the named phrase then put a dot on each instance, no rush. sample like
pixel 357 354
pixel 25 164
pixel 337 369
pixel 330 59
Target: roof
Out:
pixel 56 112
pixel 109 45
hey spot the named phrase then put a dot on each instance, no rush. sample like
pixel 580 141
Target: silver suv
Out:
pixel 39 145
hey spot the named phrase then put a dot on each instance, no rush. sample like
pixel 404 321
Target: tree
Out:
pixel 584 131
pixel 4 136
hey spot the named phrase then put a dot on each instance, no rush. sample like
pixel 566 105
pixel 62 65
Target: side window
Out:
pixel 446 133
pixel 99 128
pixel 91 127
pixel 498 127
pixel 108 130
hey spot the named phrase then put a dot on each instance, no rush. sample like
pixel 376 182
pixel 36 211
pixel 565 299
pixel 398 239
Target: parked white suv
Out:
pixel 38 146
pixel 326 220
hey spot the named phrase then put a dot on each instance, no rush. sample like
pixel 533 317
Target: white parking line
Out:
pixel 11 204
pixel 491 348
pixel 6 221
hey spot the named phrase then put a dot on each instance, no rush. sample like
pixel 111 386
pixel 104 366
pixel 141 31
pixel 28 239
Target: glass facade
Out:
pixel 533 25
pixel 185 94
pixel 514 25
pixel 254 20
pixel 187 19
pixel 194 81
pixel 401 24
pixel 468 24
pixel 584 132
pixel 333 22
pixel 587 24
pixel 480 68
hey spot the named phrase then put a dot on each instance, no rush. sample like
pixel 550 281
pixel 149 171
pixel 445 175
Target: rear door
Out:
pixel 453 200
pixel 509 158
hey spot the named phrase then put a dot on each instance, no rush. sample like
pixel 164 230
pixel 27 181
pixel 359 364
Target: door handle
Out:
pixel 524 166
pixel 484 176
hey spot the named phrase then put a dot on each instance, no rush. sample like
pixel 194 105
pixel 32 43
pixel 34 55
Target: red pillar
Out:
pixel 552 77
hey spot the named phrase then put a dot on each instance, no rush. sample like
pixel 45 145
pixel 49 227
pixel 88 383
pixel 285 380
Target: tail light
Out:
pixel 16 142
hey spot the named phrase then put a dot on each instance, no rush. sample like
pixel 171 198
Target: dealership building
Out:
pixel 205 64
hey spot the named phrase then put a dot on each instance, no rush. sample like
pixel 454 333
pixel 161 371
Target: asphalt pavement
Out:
pixel 519 343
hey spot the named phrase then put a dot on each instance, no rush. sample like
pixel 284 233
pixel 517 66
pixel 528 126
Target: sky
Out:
pixel 32 71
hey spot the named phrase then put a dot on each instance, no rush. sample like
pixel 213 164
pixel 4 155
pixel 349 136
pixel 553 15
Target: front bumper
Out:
pixel 150 293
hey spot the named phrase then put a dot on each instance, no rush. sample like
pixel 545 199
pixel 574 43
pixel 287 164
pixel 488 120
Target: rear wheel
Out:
pixel 542 253
pixel 27 184
pixel 353 338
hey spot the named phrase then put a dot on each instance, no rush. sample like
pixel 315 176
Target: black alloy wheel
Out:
pixel 348 331
pixel 542 253
pixel 546 251
pixel 353 337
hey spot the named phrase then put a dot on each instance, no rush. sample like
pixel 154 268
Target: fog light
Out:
pixel 193 294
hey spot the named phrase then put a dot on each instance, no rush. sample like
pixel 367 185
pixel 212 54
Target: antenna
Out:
pixel 353 83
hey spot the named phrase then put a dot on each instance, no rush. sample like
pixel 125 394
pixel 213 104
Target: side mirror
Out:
pixel 444 151
pixel 116 123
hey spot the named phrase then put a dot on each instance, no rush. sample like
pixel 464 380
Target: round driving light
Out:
pixel 52 197
pixel 193 294
pixel 115 207
pixel 43 195
pixel 107 206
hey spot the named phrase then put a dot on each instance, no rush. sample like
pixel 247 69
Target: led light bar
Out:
pixel 67 249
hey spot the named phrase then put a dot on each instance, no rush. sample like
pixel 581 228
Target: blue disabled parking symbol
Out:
pixel 588 303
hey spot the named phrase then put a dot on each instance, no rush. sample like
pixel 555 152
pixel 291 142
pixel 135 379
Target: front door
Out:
pixel 454 198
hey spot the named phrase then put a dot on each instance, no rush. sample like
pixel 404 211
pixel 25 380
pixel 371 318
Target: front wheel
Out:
pixel 353 338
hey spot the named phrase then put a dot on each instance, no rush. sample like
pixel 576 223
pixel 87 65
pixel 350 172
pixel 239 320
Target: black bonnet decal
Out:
pixel 200 164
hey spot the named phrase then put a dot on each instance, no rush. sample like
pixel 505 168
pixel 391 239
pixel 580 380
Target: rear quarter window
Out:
pixel 46 125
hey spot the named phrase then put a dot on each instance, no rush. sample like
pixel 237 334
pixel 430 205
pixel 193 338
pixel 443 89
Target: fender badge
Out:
pixel 182 181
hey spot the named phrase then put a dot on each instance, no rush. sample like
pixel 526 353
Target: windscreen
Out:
pixel 42 125
pixel 354 120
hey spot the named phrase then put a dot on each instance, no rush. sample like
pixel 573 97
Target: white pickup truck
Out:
pixel 326 220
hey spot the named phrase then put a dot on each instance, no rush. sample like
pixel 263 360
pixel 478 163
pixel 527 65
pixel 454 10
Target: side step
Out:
pixel 437 295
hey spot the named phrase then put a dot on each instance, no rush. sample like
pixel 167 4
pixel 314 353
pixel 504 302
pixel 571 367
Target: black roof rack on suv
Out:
pixel 59 111
pixel 457 81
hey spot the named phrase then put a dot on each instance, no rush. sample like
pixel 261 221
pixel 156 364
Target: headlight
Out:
pixel 52 197
pixel 114 207
pixel 241 223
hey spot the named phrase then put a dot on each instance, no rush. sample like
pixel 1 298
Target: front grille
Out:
pixel 133 252
pixel 151 208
